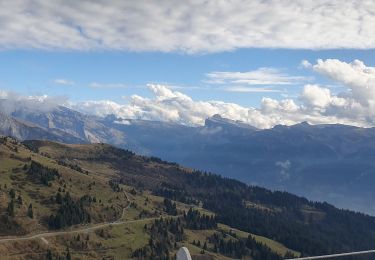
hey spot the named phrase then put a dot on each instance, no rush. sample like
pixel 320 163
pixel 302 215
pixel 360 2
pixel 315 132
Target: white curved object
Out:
pixel 183 254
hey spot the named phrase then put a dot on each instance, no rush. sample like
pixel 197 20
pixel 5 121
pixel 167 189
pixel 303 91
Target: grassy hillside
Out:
pixel 108 205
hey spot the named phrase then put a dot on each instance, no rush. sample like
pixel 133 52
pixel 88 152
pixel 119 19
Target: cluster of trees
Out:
pixel 42 173
pixel 71 212
pixel 195 220
pixel 123 154
pixel 238 248
pixel 6 139
pixel 158 160
pixel 17 201
pixel 288 225
pixel 74 167
pixel 170 207
pixel 115 186
pixel 286 221
pixel 3 139
pixel 110 154
pixel 31 145
pixel 87 199
pixel 178 195
pixel 56 255
pixel 164 233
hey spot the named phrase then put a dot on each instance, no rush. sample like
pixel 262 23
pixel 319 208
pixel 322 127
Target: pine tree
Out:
pixel 289 254
pixel 19 200
pixel 49 255
pixel 58 198
pixel 205 246
pixel 30 212
pixel 10 208
pixel 12 193
pixel 68 256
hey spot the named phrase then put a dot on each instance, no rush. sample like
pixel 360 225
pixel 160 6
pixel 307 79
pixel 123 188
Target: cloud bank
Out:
pixel 317 104
pixel 192 26
pixel 11 102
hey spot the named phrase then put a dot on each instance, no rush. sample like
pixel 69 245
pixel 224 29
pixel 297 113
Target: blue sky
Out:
pixel 33 72
pixel 262 62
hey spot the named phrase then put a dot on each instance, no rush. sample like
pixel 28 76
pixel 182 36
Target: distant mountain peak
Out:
pixel 217 120
pixel 304 123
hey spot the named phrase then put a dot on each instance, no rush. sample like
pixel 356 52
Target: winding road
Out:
pixel 73 231
pixel 81 230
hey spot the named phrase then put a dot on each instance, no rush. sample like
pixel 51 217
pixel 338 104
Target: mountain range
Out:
pixel 331 163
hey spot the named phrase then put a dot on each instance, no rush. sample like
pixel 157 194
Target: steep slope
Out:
pixel 311 228
pixel 73 123
pixel 25 130
pixel 58 199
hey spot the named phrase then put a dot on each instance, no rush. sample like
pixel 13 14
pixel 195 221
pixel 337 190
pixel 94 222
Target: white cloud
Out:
pixel 100 108
pixel 305 64
pixel 11 102
pixel 261 76
pixel 186 26
pixel 358 77
pixel 64 82
pixel 284 169
pixel 235 81
pixel 316 96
